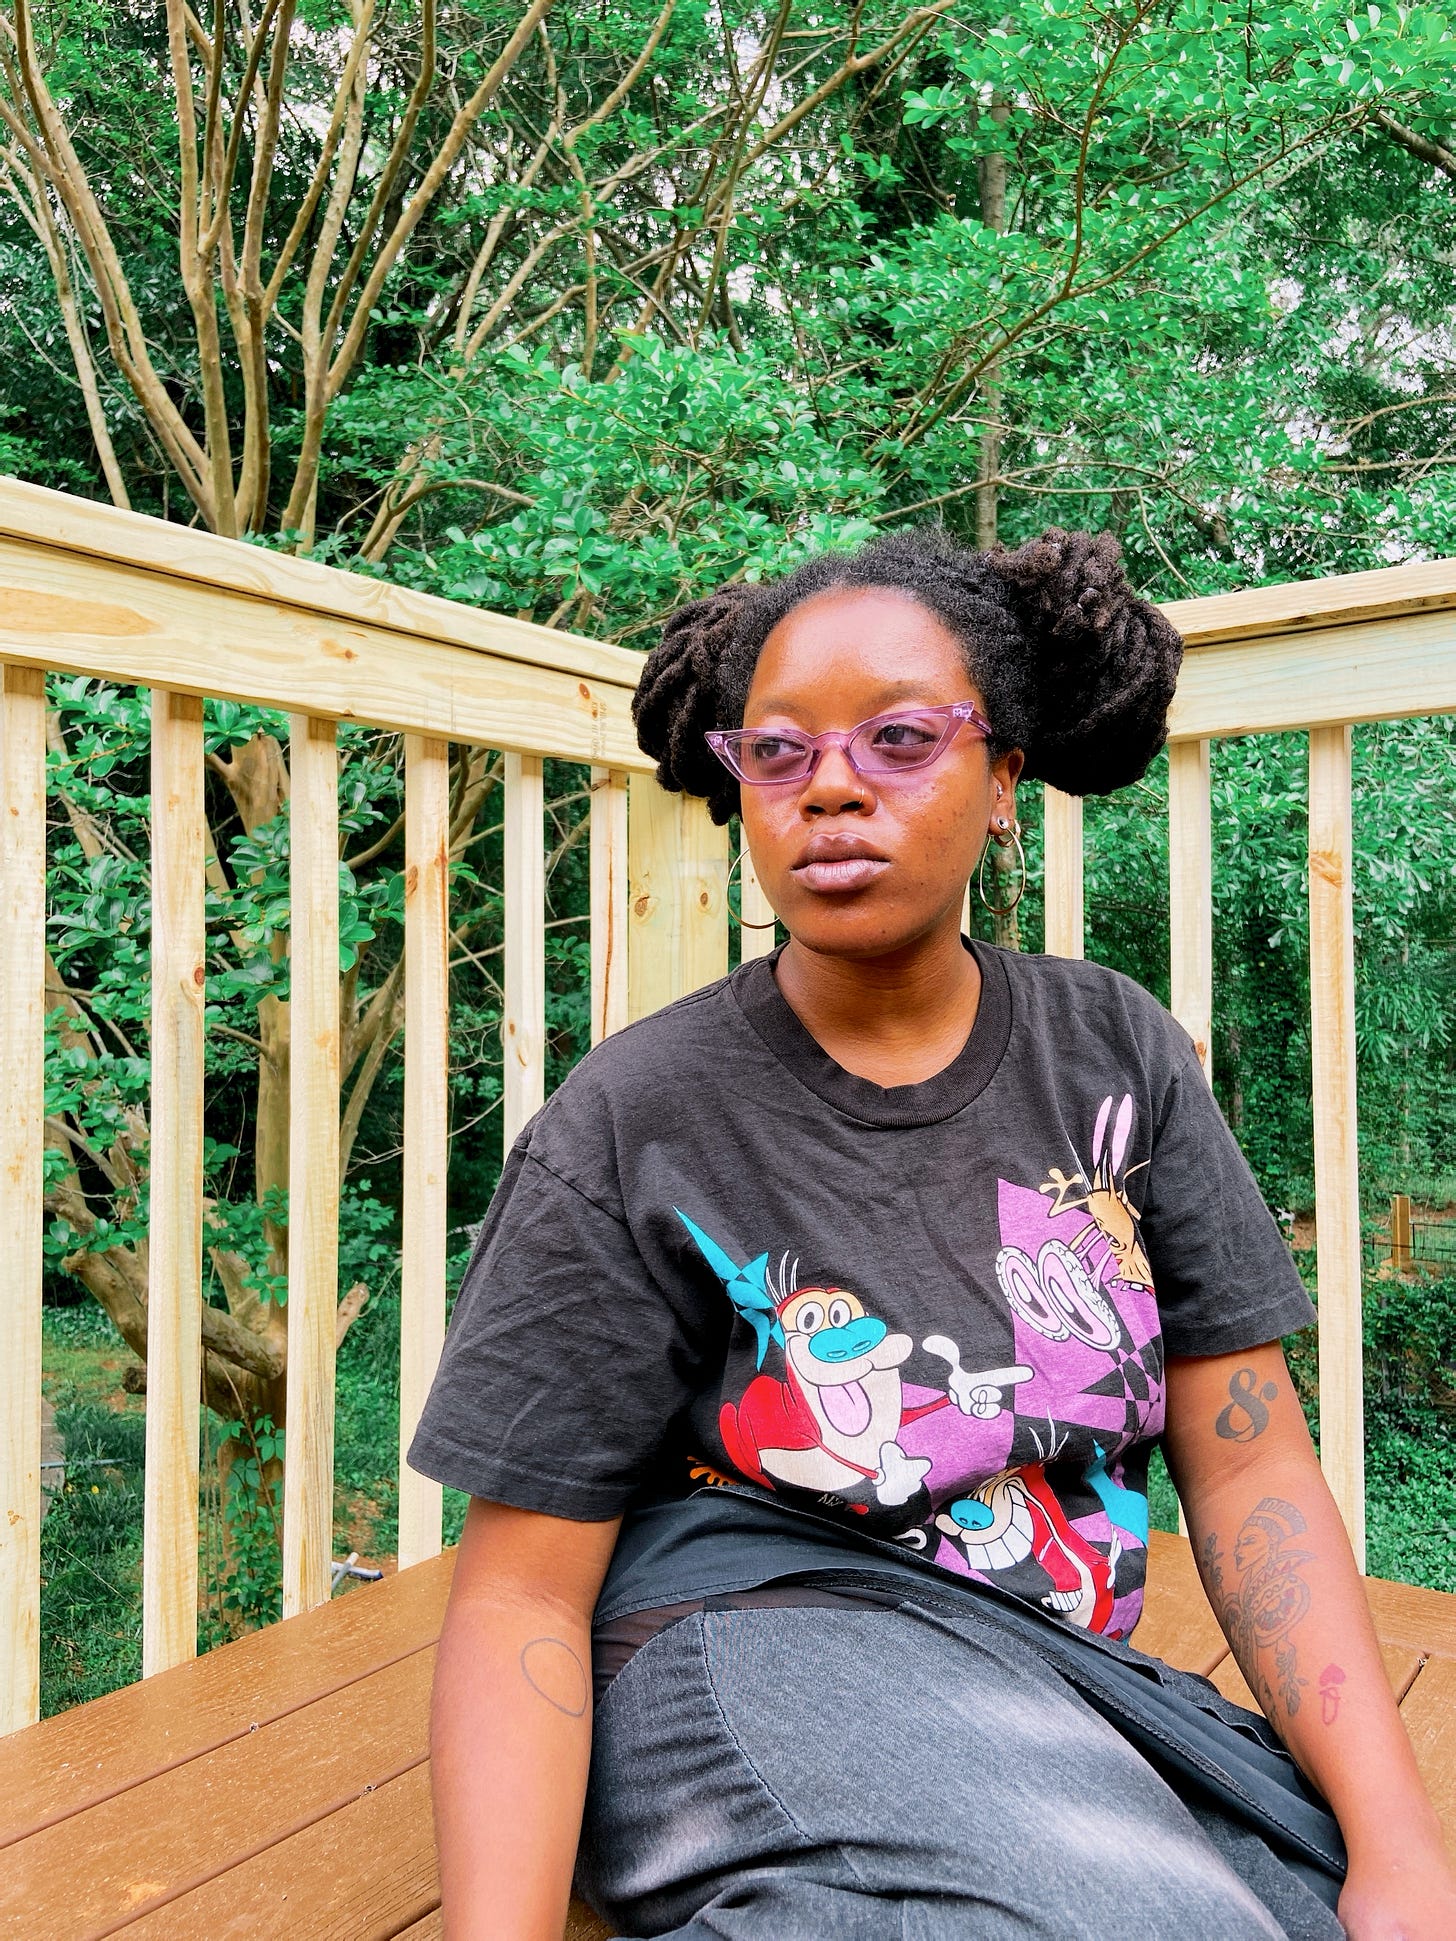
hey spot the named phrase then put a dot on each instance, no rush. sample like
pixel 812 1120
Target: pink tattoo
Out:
pixel 1330 1681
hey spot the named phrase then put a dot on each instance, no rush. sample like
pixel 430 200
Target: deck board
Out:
pixel 281 1784
pixel 360 1874
pixel 94 1751
pixel 177 1829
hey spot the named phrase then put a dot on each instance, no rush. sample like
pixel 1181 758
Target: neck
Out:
pixel 897 1018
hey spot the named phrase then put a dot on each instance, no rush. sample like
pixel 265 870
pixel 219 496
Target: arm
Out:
pixel 1279 1573
pixel 510 1720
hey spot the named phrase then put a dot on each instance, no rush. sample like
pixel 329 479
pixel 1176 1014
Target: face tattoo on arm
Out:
pixel 1270 1598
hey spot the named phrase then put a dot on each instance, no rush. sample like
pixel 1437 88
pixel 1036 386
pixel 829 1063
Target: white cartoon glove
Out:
pixel 900 1475
pixel 981 1394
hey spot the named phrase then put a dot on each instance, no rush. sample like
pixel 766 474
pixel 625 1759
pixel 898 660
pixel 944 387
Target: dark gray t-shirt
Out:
pixel 934 1315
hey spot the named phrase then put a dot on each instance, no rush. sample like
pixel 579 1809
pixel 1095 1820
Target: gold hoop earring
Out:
pixel 1012 838
pixel 737 915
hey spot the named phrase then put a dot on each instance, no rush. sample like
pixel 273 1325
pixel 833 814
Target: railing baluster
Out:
pixel 313 1170
pixel 755 907
pixel 426 1121
pixel 1336 1148
pixel 174 1186
pixel 1063 878
pixel 1190 890
pixel 677 903
pixel 22 1114
pixel 523 1028
pixel 608 902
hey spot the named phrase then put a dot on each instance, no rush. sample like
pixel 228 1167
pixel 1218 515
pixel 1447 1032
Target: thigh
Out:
pixel 877 1773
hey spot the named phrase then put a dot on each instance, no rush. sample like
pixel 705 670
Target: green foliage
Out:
pixel 1214 319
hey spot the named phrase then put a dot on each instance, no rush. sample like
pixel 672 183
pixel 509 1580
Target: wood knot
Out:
pixel 642 906
pixel 411 879
pixel 199 976
pixel 583 690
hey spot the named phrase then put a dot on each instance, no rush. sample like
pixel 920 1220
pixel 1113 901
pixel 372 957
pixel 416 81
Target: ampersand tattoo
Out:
pixel 1245 1416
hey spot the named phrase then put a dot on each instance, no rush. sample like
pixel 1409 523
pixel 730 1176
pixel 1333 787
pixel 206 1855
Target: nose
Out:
pixel 971 1513
pixel 836 787
pixel 848 1343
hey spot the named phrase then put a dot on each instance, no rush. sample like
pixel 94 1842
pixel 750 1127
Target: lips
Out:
pixel 832 862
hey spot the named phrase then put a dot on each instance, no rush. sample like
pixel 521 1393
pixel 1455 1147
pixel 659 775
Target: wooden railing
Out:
pixel 90 590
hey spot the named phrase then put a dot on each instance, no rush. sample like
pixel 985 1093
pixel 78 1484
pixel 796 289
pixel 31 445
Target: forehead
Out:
pixel 856 651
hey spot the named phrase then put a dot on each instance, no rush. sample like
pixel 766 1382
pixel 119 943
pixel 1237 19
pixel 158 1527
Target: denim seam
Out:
pixel 738 1744
pixel 838 1846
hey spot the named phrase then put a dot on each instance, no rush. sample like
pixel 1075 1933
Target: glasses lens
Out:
pixel 771 757
pixel 899 741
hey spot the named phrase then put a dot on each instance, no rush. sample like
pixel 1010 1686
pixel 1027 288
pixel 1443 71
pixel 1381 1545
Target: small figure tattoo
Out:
pixel 1270 1599
pixel 1330 1681
pixel 552 1669
pixel 1245 1417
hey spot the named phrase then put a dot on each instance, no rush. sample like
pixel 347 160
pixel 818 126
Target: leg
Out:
pixel 877 1775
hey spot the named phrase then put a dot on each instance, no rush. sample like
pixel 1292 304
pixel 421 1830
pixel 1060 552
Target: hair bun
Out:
pixel 678 698
pixel 1102 667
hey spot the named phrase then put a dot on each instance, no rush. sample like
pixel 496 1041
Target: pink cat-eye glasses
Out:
pixel 887 744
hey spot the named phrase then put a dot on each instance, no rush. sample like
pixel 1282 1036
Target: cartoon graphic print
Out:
pixel 833 1424
pixel 1013 1474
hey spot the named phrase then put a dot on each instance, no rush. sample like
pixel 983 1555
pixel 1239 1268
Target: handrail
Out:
pixel 109 594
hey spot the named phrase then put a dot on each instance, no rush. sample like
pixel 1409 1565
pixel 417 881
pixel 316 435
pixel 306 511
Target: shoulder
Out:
pixel 1068 1002
pixel 644 1075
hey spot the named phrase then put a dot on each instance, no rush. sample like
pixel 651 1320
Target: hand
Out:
pixel 1409 1895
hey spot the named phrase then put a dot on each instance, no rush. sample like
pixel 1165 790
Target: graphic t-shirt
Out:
pixel 932 1314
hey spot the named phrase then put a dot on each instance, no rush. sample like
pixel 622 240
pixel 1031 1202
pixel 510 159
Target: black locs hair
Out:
pixel 1074 668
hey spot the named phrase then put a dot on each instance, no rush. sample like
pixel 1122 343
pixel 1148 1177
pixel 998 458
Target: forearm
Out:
pixel 510 1739
pixel 1280 1575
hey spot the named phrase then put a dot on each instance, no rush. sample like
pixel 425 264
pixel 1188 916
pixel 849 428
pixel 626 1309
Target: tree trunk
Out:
pixel 991 171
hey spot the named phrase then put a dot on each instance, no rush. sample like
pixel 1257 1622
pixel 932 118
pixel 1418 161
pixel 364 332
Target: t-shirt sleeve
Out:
pixel 565 1362
pixel 1225 1279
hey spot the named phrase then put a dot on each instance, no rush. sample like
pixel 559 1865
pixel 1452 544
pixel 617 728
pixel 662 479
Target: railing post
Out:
pixel 1063 878
pixel 426 1122
pixel 1190 893
pixel 22 1116
pixel 174 1186
pixel 313 1169
pixel 677 911
pixel 755 908
pixel 523 1027
pixel 608 836
pixel 1336 1152
pixel 1402 1251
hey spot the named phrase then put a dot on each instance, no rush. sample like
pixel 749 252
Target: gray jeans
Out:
pixel 863 1775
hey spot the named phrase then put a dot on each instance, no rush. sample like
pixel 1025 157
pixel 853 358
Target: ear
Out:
pixel 1099 1133
pixel 1005 770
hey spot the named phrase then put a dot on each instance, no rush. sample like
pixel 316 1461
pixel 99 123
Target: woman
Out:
pixel 817 1340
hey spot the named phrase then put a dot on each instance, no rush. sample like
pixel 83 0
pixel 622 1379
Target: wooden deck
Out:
pixel 279 1786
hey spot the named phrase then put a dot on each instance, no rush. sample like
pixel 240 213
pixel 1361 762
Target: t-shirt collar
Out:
pixel 769 1013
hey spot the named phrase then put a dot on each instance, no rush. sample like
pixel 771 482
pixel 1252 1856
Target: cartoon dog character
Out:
pixel 833 1423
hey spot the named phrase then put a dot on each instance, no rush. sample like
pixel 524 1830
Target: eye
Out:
pixel 810 1318
pixel 906 739
pixel 768 755
pixel 840 1314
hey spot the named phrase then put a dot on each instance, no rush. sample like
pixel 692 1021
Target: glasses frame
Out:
pixel 956 716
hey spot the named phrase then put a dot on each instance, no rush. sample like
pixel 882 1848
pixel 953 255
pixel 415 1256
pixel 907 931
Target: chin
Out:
pixel 857 932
